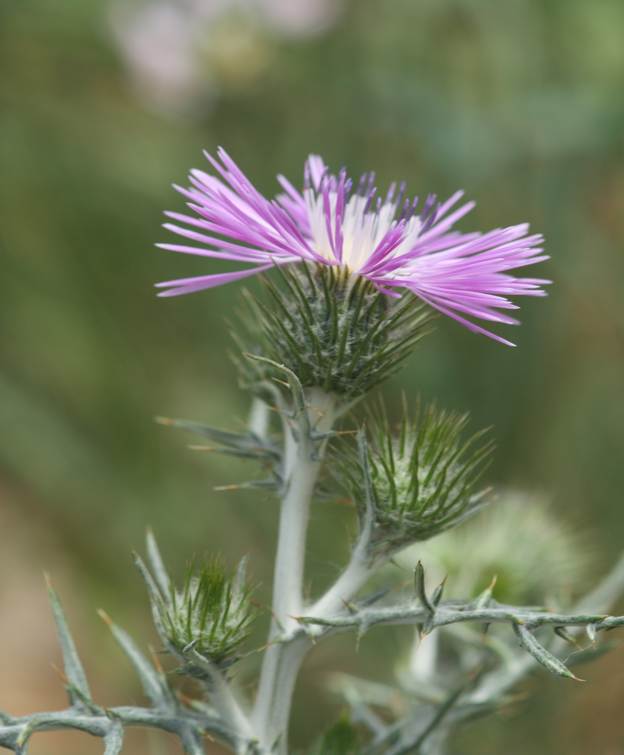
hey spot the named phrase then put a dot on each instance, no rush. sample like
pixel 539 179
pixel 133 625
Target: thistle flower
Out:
pixel 414 484
pixel 395 242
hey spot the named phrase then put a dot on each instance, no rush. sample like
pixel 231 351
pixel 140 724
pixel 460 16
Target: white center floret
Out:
pixel 362 229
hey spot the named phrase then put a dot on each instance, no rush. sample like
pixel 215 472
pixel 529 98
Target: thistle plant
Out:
pixel 351 279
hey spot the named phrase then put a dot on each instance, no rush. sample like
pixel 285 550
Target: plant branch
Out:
pixel 524 621
pixel 495 684
pixel 452 612
pixel 108 723
pixel 359 567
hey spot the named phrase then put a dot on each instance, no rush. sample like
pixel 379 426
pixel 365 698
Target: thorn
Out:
pixel 484 598
pixel 222 488
pixel 438 592
pixel 156 660
pixel 105 617
pixel 167 421
pixel 60 673
pixel 193 447
pixel 421 591
pixel 567 637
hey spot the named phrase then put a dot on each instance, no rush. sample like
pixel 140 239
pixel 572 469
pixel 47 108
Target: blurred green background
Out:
pixel 102 108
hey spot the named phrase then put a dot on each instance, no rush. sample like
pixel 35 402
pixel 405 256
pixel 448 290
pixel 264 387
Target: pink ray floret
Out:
pixel 392 240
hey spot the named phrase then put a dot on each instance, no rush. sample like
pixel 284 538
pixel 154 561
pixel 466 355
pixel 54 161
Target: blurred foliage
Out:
pixel 517 102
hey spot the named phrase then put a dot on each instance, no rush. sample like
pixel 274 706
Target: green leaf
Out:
pixel 245 445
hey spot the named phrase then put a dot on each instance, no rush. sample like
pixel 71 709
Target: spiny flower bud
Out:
pixel 520 541
pixel 412 484
pixel 210 616
pixel 334 330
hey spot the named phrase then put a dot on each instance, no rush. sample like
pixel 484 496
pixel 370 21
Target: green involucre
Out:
pixel 211 614
pixel 334 330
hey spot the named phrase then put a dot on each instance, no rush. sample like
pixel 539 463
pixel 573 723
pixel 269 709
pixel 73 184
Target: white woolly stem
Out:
pixel 347 585
pixel 224 700
pixel 258 422
pixel 302 461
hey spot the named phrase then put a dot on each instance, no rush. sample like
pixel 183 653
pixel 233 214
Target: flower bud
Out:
pixel 412 484
pixel 211 615
pixel 534 556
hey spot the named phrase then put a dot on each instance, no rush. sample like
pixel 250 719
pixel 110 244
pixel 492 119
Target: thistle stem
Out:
pixel 303 456
pixel 225 702
pixel 347 585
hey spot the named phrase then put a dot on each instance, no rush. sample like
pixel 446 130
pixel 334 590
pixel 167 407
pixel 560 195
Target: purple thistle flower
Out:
pixel 391 241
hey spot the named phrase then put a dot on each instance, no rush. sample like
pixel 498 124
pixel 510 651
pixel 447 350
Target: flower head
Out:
pixel 393 241
pixel 411 483
pixel 208 619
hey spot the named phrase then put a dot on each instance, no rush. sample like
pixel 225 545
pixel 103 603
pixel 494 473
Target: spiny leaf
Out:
pixel 153 685
pixel 237 444
pixel 544 657
pixel 483 599
pixel 156 598
pixel 421 591
pixel 74 670
pixel 436 597
pixel 157 564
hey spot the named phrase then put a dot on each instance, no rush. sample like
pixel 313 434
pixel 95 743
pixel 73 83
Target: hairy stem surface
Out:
pixel 302 461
